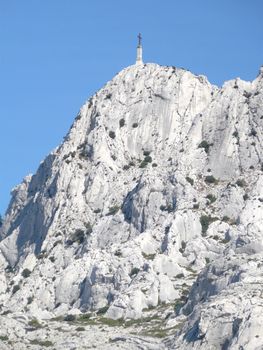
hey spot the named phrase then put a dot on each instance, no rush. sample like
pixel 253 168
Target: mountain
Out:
pixel 144 228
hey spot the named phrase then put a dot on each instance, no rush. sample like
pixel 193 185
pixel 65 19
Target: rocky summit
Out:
pixel 144 228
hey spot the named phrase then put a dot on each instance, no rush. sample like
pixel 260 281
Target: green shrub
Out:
pixel 80 329
pixel 121 122
pixel 245 197
pixel 42 254
pixel 45 343
pixel 148 256
pixel 235 134
pixel 108 96
pixel 34 323
pixel 205 145
pixel 157 333
pixel 118 253
pixel 183 246
pixel 4 337
pixel 253 132
pixel 127 166
pixel 211 198
pixel 148 159
pixel 78 236
pixel 84 317
pixel 15 288
pixel 225 218
pixel 179 275
pixel 225 240
pixel 154 165
pixel 134 271
pixel 26 273
pixel 102 310
pixel 188 179
pixel 70 318
pixel 88 227
pixel 83 152
pixel 111 323
pixel 113 210
pixel 210 179
pixel 205 221
pixel 241 183
pixel 135 125
pixel 146 153
pixel 143 164
pixel 6 312
pixel 30 300
pixel 112 134
pixel 207 260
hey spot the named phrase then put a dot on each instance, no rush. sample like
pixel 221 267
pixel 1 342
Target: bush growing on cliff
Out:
pixel 26 273
pixel 210 179
pixel 211 198
pixel 205 145
pixel 134 271
pixel 241 183
pixel 190 180
pixel 15 288
pixel 205 221
pixel 121 122
pixel 113 210
pixel 112 134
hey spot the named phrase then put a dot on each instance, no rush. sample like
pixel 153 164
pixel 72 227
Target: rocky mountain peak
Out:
pixel 153 203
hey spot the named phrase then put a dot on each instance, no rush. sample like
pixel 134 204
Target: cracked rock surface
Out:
pixel 144 228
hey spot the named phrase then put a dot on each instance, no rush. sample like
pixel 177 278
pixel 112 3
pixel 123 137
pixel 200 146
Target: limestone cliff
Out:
pixel 154 201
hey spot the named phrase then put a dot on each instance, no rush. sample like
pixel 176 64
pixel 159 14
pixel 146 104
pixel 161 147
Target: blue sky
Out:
pixel 54 54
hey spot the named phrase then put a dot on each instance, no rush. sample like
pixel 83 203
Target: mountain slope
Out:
pixel 154 194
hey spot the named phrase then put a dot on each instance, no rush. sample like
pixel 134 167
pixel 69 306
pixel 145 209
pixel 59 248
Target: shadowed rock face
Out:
pixel 159 176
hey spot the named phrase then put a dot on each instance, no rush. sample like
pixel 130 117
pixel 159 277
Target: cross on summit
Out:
pixel 139 50
pixel 139 39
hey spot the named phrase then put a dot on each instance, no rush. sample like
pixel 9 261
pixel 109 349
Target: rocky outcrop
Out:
pixel 154 199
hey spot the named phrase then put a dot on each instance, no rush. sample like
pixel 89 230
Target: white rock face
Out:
pixel 156 193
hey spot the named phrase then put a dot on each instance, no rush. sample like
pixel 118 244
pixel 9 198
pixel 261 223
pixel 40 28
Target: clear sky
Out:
pixel 54 54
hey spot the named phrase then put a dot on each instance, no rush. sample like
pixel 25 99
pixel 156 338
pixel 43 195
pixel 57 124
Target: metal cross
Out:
pixel 140 39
